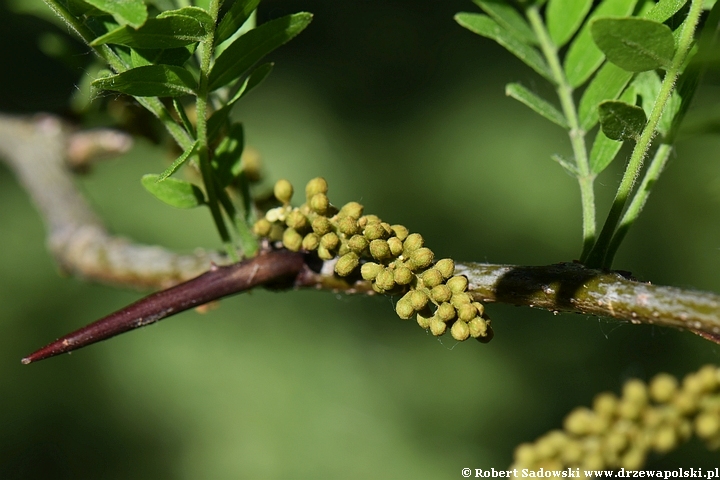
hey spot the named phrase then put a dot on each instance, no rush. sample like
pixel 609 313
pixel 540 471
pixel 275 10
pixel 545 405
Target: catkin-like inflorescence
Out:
pixel 621 432
pixel 391 258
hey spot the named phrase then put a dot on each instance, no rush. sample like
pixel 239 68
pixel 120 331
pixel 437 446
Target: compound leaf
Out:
pixel 607 84
pixel 539 105
pixel 509 18
pixel 564 18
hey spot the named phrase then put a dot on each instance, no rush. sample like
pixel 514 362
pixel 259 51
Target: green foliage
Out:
pixel 618 45
pixel 165 51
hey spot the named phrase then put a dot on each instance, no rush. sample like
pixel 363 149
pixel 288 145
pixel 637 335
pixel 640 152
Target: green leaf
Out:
pixel 198 14
pixel 564 18
pixel 234 19
pixel 603 152
pixel 634 44
pixel 509 18
pixel 172 56
pixel 151 81
pixel 664 9
pixel 178 162
pixel 157 33
pixel 647 85
pixel 539 105
pixel 489 28
pixel 620 120
pixel 227 160
pixel 174 192
pixel 607 84
pixel 248 49
pixel 126 12
pixel 583 56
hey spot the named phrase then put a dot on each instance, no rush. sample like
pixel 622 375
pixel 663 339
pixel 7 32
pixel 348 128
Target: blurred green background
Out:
pixel 403 110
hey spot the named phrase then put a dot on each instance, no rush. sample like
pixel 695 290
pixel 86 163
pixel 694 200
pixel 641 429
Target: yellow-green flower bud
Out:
pixel 315 186
pixel 319 203
pixel 400 232
pixel 297 220
pixel 321 225
pixel 437 326
pixel 446 267
pixel 379 249
pixel 378 288
pixel 460 330
pixel 370 270
pixel 351 209
pixel 283 191
pixel 385 279
pixel 478 327
pixel 634 391
pixel 346 264
pixel 466 312
pixel 440 293
pixel 358 244
pixel 479 307
pixel 662 387
pixel 432 278
pixel 344 249
pixel 330 241
pixel 424 318
pixel 324 253
pixel 458 283
pixel 348 226
pixel 276 232
pixel 707 425
pixel 459 299
pixel 404 309
pixel 396 246
pixel 403 275
pixel 664 439
pixel 413 242
pixel 418 299
pixel 375 231
pixel 421 258
pixel 262 227
pixel 311 241
pixel 605 404
pixel 292 240
pixel 445 312
pixel 580 421
pixel 366 220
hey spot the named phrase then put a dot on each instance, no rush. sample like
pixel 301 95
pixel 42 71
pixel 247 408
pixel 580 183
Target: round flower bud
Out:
pixel 418 299
pixel 662 387
pixel 458 283
pixel 321 225
pixel 296 220
pixel 343 249
pixel 292 240
pixel 366 220
pixel 404 309
pixel 375 231
pixel 324 253
pixel 460 331
pixel 348 226
pixel 413 242
pixel 432 278
pixel 276 232
pixel 479 307
pixel 352 209
pixel 437 326
pixel 707 425
pixel 385 279
pixel 466 312
pixel 635 391
pixel 478 327
pixel 283 191
pixel 400 232
pixel 358 244
pixel 262 227
pixel 605 404
pixel 421 258
pixel 424 319
pixel 379 249
pixel 396 246
pixel 459 299
pixel 370 270
pixel 403 275
pixel 489 334
pixel 330 241
pixel 440 293
pixel 311 241
pixel 446 266
pixel 315 186
pixel 445 312
pixel 346 264
pixel 319 203
pixel 664 439
pixel 378 288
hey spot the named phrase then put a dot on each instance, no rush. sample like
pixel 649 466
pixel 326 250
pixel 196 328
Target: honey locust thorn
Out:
pixel 391 258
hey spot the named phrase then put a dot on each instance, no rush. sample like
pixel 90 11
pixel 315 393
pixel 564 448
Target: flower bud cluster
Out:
pixel 622 432
pixel 391 258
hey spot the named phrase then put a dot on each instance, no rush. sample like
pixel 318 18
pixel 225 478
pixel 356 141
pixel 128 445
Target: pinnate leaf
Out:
pixel 247 50
pixel 150 81
pixel 174 192
pixel 172 31
pixel 620 120
pixel 509 18
pixel 564 18
pixel 539 105
pixel 607 84
pixel 127 12
pixel 234 19
pixel 634 44
pixel 489 28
